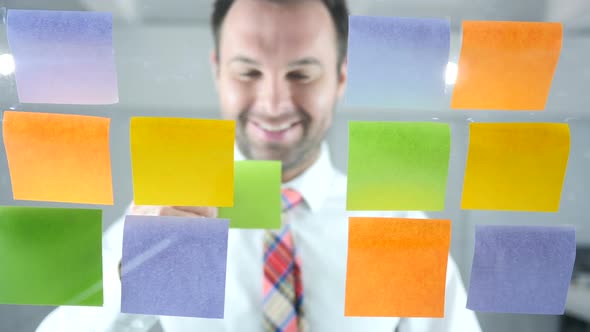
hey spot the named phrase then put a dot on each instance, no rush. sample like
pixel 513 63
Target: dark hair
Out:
pixel 337 8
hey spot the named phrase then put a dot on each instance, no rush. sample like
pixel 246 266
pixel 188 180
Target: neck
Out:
pixel 291 173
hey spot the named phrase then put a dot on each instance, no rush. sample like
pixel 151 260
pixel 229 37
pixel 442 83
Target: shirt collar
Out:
pixel 314 183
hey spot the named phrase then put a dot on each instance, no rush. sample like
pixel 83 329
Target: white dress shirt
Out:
pixel 320 232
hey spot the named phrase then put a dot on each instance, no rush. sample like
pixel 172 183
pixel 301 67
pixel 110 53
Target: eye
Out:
pixel 297 76
pixel 250 74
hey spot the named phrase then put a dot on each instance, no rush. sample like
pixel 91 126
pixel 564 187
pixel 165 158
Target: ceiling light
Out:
pixel 6 64
pixel 451 73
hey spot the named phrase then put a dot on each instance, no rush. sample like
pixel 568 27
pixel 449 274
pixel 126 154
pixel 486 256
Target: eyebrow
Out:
pixel 305 61
pixel 296 63
pixel 244 59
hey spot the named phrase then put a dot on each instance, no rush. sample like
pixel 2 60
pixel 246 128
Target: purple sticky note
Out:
pixel 521 269
pixel 63 57
pixel 174 266
pixel 397 62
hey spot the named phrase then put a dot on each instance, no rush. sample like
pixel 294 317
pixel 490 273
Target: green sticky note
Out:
pixel 257 195
pixel 50 256
pixel 397 165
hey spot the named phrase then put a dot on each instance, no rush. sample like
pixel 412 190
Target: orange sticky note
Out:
pixel 58 157
pixel 506 65
pixel 515 166
pixel 396 267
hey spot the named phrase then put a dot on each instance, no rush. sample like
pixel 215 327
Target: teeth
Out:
pixel 275 128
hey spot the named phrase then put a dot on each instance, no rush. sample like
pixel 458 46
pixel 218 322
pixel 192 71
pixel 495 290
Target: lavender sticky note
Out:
pixel 397 62
pixel 521 269
pixel 63 57
pixel 174 266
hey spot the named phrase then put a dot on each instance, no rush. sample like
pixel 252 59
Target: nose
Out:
pixel 274 95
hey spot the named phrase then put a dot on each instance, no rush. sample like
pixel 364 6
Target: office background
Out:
pixel 162 55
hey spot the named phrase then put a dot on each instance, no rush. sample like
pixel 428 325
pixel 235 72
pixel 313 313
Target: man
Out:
pixel 280 68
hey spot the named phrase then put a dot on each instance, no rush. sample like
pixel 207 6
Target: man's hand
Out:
pixel 174 211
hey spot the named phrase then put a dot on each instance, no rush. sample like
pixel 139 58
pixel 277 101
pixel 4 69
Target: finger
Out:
pixel 172 211
pixel 203 211
pixel 148 210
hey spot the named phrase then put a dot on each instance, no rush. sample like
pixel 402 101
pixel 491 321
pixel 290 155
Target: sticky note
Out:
pixel 521 269
pixel 397 165
pixel 58 157
pixel 50 256
pixel 174 266
pixel 515 166
pixel 396 62
pixel 63 57
pixel 396 267
pixel 506 65
pixel 182 162
pixel 257 195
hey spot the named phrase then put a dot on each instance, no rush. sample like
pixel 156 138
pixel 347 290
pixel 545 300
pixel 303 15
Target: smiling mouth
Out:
pixel 275 128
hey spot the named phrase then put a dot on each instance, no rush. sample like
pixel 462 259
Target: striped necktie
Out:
pixel 282 286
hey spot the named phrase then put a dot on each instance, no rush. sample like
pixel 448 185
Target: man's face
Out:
pixel 277 76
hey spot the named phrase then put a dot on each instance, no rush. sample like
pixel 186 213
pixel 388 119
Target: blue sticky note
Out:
pixel 174 266
pixel 396 62
pixel 63 57
pixel 521 269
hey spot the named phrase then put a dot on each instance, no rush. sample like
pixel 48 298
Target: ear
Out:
pixel 342 78
pixel 214 61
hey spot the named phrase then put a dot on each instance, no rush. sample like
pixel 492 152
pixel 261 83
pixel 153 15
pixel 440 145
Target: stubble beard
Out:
pixel 291 157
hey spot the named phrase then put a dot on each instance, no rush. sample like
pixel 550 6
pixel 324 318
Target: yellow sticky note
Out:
pixel 516 166
pixel 182 162
pixel 58 157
